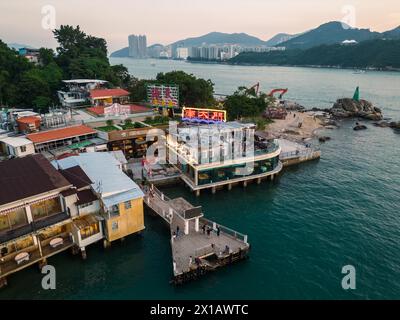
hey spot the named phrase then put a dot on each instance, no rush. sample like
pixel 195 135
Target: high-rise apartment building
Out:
pixel 137 46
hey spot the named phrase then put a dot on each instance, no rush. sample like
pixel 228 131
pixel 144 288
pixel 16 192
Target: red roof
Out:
pixel 30 119
pixel 59 134
pixel 107 93
pixel 99 110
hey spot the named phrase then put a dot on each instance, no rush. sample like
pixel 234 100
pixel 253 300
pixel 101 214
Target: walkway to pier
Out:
pixel 294 152
pixel 197 247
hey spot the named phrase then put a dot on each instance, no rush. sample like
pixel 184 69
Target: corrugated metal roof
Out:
pixel 103 169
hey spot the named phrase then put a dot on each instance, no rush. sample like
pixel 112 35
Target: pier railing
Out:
pixel 226 230
pixel 297 154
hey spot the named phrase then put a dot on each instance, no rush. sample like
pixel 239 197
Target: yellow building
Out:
pixel 125 219
pixel 121 199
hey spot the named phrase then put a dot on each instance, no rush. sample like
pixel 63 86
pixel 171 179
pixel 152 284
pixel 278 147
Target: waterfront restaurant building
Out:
pixel 120 199
pixel 34 219
pixel 62 137
pixel 209 155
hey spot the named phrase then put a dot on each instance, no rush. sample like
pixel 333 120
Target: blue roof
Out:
pixel 113 185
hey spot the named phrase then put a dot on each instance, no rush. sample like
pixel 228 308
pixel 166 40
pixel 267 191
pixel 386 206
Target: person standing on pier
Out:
pixel 218 231
pixel 204 228
pixel 177 231
pixel 208 232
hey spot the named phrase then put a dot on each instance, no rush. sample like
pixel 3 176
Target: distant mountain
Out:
pixel 392 34
pixel 279 38
pixel 326 34
pixel 242 39
pixel 124 52
pixel 18 46
pixel 330 33
pixel 121 53
pixel 377 53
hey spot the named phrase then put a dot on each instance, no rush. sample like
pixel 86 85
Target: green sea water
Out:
pixel 303 227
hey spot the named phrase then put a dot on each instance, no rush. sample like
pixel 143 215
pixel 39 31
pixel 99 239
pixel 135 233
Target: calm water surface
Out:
pixel 303 227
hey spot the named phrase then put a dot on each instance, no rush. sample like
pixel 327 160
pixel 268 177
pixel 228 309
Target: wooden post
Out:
pixel 42 263
pixel 83 253
pixel 3 282
pixel 106 244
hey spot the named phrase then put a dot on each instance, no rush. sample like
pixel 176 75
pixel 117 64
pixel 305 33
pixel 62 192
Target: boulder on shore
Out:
pixel 386 124
pixel 359 127
pixel 349 108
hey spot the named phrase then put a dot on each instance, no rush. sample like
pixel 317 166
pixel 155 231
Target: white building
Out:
pixel 182 53
pixel 17 146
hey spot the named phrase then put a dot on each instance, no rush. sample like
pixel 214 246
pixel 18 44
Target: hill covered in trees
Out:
pixel 24 84
pixel 378 54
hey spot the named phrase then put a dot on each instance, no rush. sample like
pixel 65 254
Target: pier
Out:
pixel 295 153
pixel 198 244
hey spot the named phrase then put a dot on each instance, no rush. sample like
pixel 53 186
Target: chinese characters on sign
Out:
pixel 163 96
pixel 203 115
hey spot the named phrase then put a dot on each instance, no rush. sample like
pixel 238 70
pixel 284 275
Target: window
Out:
pixel 128 205
pixel 115 210
pixel 46 208
pixel 114 225
pixel 89 231
pixel 84 205
pixel 23 148
pixel 13 219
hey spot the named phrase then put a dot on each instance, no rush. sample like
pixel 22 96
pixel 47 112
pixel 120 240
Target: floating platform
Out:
pixel 198 245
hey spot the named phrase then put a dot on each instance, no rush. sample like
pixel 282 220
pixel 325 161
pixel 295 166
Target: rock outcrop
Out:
pixel 349 108
pixel 386 124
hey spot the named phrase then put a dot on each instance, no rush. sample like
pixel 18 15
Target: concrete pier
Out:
pixel 198 245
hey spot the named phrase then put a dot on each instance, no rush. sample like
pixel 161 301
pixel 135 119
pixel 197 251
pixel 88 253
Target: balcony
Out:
pixel 49 250
pixel 44 249
pixel 9 265
pixel 25 229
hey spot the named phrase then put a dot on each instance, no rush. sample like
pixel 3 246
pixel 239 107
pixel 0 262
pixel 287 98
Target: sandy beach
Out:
pixel 297 126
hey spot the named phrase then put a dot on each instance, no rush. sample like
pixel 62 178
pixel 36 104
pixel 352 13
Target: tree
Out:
pixel 192 91
pixel 245 103
pixel 85 56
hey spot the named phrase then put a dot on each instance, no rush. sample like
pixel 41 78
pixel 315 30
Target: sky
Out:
pixel 165 21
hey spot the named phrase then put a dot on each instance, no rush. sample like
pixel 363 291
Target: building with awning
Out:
pixel 35 220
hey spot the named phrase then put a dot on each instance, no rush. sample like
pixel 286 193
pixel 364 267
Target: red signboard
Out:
pixel 203 115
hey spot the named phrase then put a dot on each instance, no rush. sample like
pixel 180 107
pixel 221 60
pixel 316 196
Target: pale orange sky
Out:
pixel 168 21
